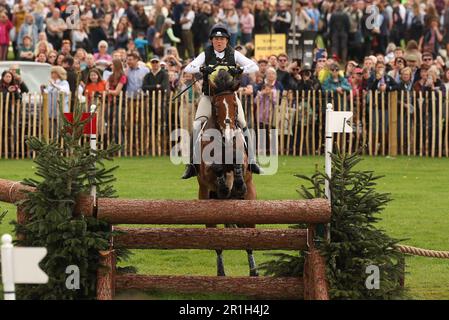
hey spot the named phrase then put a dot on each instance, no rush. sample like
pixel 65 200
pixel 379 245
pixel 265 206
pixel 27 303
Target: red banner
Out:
pixel 89 127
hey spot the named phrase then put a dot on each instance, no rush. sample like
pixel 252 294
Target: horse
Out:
pixel 225 180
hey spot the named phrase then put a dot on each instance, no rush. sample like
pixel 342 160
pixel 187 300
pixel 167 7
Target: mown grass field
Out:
pixel 419 210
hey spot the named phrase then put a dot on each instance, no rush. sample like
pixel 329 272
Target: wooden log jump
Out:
pixel 120 211
pixel 254 287
pixel 250 212
pixel 211 238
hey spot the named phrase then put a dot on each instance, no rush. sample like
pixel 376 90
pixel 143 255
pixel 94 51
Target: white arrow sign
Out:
pixel 26 265
pixel 338 122
pixel 20 265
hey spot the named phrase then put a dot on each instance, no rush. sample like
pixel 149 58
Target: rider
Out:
pixel 220 53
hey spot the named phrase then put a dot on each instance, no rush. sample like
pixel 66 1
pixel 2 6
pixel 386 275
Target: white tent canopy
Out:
pixel 34 74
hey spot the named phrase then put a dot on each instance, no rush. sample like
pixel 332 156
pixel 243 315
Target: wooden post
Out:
pixel 393 125
pixel 45 117
pixel 106 276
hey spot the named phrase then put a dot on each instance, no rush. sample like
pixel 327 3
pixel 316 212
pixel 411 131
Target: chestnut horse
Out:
pixel 225 179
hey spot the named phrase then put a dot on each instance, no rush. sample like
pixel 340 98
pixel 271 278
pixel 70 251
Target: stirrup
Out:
pixel 189 172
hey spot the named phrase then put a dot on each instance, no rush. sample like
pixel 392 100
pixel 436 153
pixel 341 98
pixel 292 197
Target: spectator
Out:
pixel 142 45
pixel 116 82
pixel 229 17
pixel 399 64
pixel 156 79
pixel 336 82
pixel 102 55
pixel 446 79
pixel 294 78
pixel 266 100
pixel 135 74
pixel 8 86
pixel 58 85
pixel 381 81
pixel 55 28
pixel 15 70
pixel 80 37
pixel 282 72
pixel 356 81
pixel 406 83
pixel 432 37
pixel 271 80
pixel 66 47
pixel 246 24
pixel 169 39
pixel 121 35
pixel 41 58
pixel 72 77
pixel 52 56
pixel 282 19
pixel 59 59
pixel 26 49
pixel 303 21
pixel 5 27
pixel 90 64
pixel 186 22
pixel 142 22
pixel 28 28
pixel 339 30
pixel 412 62
pixel 201 26
pixel 262 23
pixel 95 86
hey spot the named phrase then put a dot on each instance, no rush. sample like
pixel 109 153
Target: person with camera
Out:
pixel 218 54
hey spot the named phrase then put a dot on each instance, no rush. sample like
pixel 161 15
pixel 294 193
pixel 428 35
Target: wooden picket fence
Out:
pixel 392 123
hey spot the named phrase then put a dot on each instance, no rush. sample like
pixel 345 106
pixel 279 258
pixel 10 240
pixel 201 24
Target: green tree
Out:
pixel 356 242
pixel 64 173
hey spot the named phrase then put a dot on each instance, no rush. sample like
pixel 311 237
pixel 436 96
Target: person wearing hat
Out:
pixel 168 37
pixel 157 78
pixel 218 54
pixel 336 82
pixel 412 63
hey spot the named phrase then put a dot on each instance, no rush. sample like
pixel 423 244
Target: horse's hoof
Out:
pixel 223 193
pixel 254 273
pixel 221 274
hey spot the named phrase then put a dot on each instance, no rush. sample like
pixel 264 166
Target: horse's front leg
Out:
pixel 252 264
pixel 239 187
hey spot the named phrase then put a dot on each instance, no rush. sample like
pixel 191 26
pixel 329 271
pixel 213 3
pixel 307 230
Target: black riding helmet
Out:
pixel 219 30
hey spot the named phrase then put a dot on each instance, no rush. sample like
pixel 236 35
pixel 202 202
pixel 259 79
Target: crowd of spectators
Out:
pixel 114 46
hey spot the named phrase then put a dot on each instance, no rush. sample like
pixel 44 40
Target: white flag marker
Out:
pixel 20 265
pixel 336 122
pixel 93 146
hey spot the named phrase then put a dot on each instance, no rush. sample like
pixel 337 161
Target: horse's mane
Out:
pixel 225 82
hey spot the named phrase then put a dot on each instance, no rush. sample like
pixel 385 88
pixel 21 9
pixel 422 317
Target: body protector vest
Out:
pixel 212 60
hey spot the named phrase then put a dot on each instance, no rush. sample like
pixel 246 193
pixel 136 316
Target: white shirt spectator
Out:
pixel 191 16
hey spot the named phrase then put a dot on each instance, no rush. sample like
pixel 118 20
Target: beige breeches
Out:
pixel 204 112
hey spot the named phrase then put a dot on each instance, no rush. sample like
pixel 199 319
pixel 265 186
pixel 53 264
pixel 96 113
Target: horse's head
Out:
pixel 224 103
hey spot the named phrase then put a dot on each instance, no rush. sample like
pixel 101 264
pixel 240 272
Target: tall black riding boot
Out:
pixel 190 170
pixel 252 164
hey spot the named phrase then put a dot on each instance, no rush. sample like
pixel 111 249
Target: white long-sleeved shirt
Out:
pixel 248 65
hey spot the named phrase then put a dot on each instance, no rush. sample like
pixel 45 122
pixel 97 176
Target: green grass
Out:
pixel 418 213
